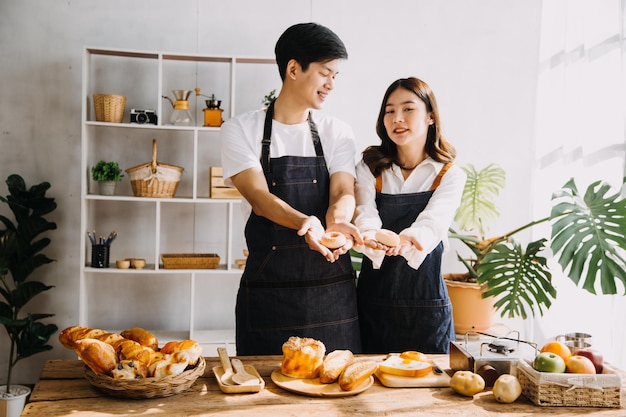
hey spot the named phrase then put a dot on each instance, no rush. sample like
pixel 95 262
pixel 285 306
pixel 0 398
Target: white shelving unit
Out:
pixel 174 304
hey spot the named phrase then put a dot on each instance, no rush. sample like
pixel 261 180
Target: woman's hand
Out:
pixel 405 245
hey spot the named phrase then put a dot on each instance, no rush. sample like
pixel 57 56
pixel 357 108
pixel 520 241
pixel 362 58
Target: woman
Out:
pixel 406 184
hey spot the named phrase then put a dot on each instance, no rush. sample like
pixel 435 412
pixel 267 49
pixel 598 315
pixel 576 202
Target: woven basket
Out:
pixel 109 107
pixel 146 387
pixel 570 390
pixel 190 260
pixel 155 179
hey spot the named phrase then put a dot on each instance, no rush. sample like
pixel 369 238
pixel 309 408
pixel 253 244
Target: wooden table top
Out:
pixel 63 391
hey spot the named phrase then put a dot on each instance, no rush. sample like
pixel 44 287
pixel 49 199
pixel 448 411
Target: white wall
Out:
pixel 480 57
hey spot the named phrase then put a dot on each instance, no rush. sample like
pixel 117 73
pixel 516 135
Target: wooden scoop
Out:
pixel 243 377
pixel 227 378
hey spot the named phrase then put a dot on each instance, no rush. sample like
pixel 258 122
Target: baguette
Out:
pixel 70 335
pixel 334 364
pixel 357 372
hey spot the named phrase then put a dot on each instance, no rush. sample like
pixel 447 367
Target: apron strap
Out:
pixel 440 176
pixel 267 138
pixel 433 187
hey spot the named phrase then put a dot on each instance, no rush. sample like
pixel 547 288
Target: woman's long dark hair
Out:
pixel 378 158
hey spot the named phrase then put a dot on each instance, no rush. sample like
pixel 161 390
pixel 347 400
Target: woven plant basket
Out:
pixel 154 179
pixel 190 260
pixel 109 107
pixel 146 387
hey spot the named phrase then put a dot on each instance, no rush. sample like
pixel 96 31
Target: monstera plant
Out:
pixel 588 236
pixel 20 255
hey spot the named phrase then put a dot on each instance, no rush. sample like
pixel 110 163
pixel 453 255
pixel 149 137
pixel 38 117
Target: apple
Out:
pixel 549 362
pixel 579 365
pixel 595 356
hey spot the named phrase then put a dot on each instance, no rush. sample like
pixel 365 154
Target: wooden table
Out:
pixel 64 391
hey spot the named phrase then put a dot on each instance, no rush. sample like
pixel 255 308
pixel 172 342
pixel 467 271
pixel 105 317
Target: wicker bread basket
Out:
pixel 154 179
pixel 109 107
pixel 146 387
pixel 190 260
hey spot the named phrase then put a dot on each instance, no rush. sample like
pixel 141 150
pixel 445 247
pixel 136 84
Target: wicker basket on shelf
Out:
pixel 190 260
pixel 146 387
pixel 109 107
pixel 155 179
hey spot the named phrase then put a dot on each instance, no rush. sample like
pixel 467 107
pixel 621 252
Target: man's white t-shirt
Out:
pixel 241 138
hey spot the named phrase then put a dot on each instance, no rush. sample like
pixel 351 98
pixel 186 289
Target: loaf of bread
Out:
pixel 141 336
pixel 131 350
pixel 70 335
pixel 357 372
pixel 333 365
pixel 190 349
pixel 170 365
pixel 130 370
pixel 302 357
pixel 97 355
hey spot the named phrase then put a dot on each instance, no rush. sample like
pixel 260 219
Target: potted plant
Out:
pixel 108 174
pixel 588 235
pixel 20 255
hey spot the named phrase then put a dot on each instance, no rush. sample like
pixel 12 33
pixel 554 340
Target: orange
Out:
pixel 558 348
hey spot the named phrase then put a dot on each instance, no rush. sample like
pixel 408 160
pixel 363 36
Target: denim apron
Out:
pixel 401 308
pixel 286 288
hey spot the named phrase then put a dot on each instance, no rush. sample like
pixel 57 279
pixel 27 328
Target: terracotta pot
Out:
pixel 469 310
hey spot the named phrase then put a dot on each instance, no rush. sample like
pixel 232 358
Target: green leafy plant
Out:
pixel 20 255
pixel 588 235
pixel 271 96
pixel 106 171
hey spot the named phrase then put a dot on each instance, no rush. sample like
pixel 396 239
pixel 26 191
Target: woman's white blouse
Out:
pixel 430 227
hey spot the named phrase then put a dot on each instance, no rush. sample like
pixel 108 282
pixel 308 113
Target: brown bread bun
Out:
pixel 388 238
pixel 302 357
pixel 141 336
pixel 333 240
pixel 97 355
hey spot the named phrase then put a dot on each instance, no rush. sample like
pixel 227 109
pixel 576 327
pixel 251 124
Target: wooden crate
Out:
pixel 217 187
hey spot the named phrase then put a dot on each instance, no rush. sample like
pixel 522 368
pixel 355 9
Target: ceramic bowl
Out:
pixel 123 263
pixel 138 263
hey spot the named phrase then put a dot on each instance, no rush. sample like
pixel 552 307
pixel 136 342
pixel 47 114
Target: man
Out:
pixel 295 169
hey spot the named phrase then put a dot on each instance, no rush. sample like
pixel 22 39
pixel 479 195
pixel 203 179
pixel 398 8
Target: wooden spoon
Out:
pixel 227 377
pixel 243 377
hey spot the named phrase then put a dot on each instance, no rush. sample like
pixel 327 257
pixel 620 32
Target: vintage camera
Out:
pixel 143 116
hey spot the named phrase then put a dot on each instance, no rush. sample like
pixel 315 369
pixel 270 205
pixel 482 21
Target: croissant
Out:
pixel 190 349
pixel 96 354
pixel 131 350
pixel 70 335
pixel 141 336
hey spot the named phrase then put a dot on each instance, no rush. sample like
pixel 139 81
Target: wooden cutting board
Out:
pixel 430 380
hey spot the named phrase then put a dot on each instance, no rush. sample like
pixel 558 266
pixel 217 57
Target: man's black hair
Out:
pixel 307 43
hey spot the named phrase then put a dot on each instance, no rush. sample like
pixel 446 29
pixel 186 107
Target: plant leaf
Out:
pixel 589 236
pixel 519 280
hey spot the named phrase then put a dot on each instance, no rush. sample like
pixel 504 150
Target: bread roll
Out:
pixel 97 355
pixel 141 336
pixel 189 348
pixel 333 240
pixel 388 238
pixel 112 339
pixel 333 365
pixel 302 357
pixel 131 350
pixel 170 365
pixel 130 370
pixel 70 335
pixel 356 373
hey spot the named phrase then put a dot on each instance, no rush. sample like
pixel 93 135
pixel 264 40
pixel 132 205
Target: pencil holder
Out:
pixel 99 256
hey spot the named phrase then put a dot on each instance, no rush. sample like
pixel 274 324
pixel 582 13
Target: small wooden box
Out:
pixel 218 189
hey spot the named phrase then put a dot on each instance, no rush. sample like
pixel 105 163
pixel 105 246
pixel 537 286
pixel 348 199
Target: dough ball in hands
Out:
pixel 333 240
pixel 302 357
pixel 388 238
